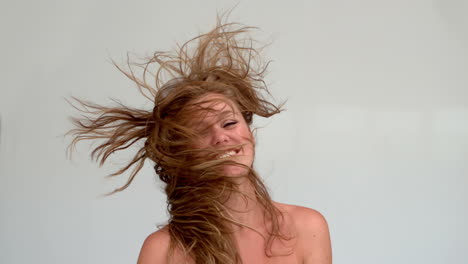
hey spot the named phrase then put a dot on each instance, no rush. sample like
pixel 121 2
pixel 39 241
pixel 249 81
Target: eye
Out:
pixel 229 123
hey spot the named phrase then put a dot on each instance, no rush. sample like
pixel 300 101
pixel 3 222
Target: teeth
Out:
pixel 227 154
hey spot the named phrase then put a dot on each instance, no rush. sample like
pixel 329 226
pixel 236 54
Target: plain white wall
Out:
pixel 375 135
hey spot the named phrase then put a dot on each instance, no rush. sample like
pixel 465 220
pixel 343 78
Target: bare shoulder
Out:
pixel 305 218
pixel 312 233
pixel 155 248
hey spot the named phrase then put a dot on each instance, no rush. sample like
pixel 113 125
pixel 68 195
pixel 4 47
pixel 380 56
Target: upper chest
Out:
pixel 253 248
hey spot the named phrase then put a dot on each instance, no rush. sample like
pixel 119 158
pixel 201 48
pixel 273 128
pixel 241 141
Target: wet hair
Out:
pixel 223 62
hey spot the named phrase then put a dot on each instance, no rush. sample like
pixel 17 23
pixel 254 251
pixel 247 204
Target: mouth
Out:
pixel 228 154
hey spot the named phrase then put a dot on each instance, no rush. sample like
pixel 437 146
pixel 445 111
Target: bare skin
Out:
pixel 311 244
pixel 308 229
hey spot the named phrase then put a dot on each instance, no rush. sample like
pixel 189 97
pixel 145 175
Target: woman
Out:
pixel 198 135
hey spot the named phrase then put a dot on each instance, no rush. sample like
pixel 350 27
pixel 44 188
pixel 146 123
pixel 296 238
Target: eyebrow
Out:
pixel 227 113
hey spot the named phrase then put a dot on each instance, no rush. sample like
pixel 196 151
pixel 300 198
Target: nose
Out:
pixel 220 136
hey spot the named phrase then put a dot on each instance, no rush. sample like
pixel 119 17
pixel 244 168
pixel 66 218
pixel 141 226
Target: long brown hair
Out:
pixel 222 61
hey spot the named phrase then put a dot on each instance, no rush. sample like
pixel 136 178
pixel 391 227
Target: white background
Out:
pixel 375 135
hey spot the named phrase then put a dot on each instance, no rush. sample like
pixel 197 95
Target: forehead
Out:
pixel 212 106
pixel 215 102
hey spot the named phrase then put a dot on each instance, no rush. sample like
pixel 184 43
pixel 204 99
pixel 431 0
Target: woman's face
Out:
pixel 221 126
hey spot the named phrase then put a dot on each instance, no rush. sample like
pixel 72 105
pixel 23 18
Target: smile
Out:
pixel 228 154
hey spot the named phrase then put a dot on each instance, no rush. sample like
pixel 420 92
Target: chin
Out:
pixel 234 171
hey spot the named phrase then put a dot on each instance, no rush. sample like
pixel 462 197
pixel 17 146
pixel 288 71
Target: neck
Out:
pixel 244 207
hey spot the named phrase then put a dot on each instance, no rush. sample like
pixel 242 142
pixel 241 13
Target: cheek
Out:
pixel 199 143
pixel 249 137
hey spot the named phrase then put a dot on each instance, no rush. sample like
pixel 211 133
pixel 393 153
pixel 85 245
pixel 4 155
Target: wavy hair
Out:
pixel 222 61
